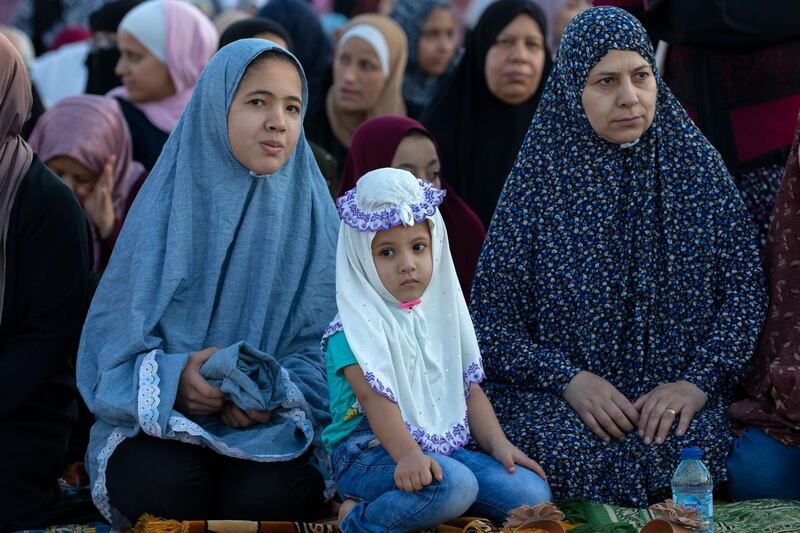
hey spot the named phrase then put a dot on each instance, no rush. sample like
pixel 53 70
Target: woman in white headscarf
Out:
pixel 159 68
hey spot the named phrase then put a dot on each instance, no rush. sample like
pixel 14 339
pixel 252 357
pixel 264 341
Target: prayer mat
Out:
pixel 482 525
pixel 762 516
pixel 95 527
pixel 151 524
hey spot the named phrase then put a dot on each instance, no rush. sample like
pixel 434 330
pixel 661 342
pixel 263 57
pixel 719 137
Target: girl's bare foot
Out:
pixel 344 509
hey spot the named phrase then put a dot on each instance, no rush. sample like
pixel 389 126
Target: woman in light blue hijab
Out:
pixel 200 356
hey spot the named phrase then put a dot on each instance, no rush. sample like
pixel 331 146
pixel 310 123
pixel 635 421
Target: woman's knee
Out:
pixel 161 477
pixel 291 491
pixel 761 467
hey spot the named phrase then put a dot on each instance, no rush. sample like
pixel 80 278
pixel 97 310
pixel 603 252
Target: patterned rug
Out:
pixel 762 516
pixel 755 516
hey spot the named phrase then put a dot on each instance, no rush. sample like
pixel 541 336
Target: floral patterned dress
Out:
pixel 636 263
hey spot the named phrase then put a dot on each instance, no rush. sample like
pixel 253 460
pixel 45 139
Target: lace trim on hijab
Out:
pixel 149 393
pixel 452 439
pixel 473 374
pixel 184 430
pixel 99 490
pixel 443 444
pixel 333 327
pixel 385 219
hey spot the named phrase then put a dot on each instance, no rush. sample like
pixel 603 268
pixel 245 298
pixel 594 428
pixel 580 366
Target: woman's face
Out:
pixel 436 43
pixel 75 175
pixel 515 61
pixel 416 153
pixel 265 116
pixel 146 78
pixel 357 76
pixel 620 96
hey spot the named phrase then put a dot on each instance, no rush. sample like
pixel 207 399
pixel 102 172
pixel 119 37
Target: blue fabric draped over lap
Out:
pixel 248 377
pixel 214 255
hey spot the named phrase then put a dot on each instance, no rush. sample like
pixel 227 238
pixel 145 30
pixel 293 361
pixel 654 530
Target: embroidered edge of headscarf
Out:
pixel 357 218
pixel 445 443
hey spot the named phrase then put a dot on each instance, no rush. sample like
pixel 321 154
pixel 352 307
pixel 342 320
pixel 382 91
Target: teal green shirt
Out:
pixel 346 412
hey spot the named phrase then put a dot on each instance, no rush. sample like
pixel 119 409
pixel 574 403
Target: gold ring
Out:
pixel 673 411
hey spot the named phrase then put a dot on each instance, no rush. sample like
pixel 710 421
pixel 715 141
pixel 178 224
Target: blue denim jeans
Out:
pixel 761 467
pixel 473 483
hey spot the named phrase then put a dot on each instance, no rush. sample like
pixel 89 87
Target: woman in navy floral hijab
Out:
pixel 619 294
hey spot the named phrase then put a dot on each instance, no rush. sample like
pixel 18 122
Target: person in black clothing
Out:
pixel 103 58
pixel 44 277
pixel 481 113
pixel 733 66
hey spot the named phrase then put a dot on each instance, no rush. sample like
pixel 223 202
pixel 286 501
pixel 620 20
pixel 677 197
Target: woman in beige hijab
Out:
pixel 368 68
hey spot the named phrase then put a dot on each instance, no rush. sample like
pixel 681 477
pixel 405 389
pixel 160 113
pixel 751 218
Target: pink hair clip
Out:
pixel 409 305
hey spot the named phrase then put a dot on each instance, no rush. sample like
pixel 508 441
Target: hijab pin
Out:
pixel 406 214
pixel 410 303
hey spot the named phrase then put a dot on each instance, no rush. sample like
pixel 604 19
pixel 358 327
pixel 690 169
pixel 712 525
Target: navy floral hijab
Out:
pixel 635 263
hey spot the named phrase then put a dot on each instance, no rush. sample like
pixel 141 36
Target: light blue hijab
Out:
pixel 213 255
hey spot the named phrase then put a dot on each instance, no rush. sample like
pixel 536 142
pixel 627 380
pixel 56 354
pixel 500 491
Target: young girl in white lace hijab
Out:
pixel 403 352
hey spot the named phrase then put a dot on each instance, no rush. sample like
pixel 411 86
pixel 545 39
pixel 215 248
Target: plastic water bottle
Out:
pixel 693 487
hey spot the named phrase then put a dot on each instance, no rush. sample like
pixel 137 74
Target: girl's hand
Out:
pixel 660 407
pixel 510 456
pixel 232 415
pixel 195 395
pixel 100 207
pixel 415 470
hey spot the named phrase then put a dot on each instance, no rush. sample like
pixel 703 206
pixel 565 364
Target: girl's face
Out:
pixel 416 153
pixel 75 175
pixel 146 78
pixel 357 76
pixel 436 43
pixel 404 260
pixel 264 120
pixel 515 61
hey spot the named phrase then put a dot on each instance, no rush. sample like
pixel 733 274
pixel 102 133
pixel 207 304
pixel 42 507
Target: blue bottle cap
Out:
pixel 691 453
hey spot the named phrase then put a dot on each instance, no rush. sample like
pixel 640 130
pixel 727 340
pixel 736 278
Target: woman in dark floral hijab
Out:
pixel 619 294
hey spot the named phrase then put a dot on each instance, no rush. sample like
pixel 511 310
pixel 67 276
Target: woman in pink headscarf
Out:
pixel 97 164
pixel 164 46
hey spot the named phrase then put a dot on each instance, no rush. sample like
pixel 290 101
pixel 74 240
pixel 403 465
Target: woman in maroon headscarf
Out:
pixel 402 142
pixel 44 285
pixel 766 453
pixel 97 164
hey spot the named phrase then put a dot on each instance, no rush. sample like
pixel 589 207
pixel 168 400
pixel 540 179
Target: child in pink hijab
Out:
pixel 97 164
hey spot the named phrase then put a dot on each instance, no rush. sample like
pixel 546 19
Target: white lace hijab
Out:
pixel 423 358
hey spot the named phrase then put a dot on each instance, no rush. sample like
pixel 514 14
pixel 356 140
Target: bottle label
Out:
pixel 702 503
